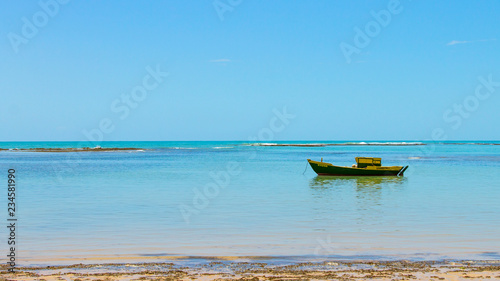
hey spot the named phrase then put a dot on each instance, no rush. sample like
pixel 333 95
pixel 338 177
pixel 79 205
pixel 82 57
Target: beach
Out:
pixel 259 270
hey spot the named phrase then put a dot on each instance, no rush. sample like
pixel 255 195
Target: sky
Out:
pixel 240 69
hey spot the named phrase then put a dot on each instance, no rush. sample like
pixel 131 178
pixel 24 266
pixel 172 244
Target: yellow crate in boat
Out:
pixel 363 162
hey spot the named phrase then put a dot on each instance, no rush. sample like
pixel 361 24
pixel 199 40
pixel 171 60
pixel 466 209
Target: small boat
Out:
pixel 365 166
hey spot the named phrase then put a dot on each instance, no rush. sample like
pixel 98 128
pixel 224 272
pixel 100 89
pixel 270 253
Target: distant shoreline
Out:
pixel 365 144
pixel 74 149
pixel 336 144
pixel 26 148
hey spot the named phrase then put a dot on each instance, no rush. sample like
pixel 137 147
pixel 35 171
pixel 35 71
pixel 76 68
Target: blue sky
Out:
pixel 228 69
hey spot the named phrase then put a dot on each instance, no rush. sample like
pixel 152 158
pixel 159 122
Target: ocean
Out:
pixel 231 198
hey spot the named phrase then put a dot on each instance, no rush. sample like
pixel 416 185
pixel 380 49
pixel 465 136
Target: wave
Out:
pixel 474 143
pixel 261 144
pixel 338 144
pixel 383 143
pixel 192 148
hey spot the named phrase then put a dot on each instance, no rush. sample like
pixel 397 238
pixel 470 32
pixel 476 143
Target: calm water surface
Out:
pixel 230 199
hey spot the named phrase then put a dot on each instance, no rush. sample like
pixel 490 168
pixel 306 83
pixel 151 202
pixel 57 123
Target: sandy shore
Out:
pixel 230 270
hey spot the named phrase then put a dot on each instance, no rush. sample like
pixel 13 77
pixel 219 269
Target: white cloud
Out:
pixel 454 42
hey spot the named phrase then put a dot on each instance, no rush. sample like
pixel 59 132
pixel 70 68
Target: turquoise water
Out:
pixel 232 199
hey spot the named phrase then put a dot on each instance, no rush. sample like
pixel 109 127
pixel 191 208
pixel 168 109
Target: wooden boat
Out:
pixel 365 166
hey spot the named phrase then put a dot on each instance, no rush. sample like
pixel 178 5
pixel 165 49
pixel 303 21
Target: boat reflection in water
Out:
pixel 360 198
pixel 359 182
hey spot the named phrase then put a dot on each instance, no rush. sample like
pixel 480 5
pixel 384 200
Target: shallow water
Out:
pixel 231 199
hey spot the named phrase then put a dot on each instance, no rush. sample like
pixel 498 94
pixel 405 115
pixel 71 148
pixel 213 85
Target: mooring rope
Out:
pixel 307 164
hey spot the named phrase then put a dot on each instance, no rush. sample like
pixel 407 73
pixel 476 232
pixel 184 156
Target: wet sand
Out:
pixel 231 270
